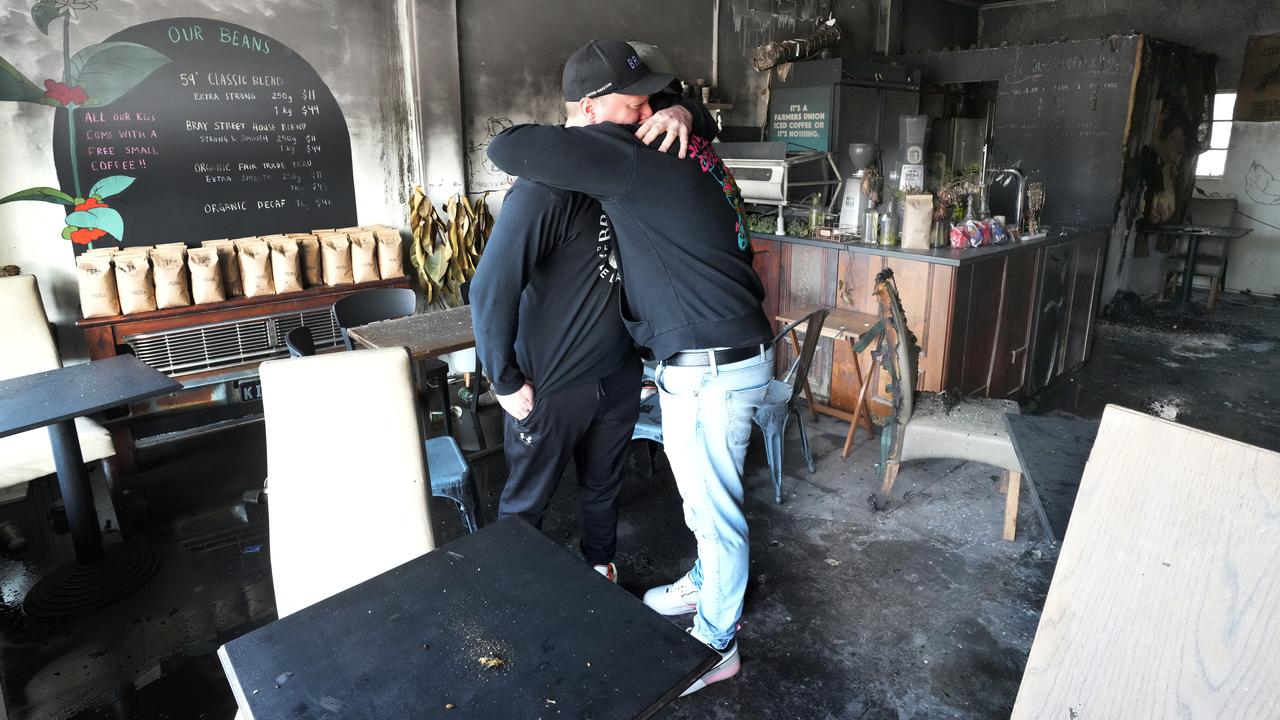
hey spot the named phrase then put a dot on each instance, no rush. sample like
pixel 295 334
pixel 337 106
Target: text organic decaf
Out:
pixel 134 282
pixel 335 258
pixel 98 296
pixel 206 275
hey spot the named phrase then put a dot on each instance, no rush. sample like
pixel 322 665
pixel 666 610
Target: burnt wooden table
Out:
pixel 841 325
pixel 503 623
pixel 1193 233
pixel 426 335
pixel 55 398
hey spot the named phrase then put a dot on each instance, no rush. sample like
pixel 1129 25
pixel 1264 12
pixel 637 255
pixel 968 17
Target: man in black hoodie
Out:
pixel 545 307
pixel 691 297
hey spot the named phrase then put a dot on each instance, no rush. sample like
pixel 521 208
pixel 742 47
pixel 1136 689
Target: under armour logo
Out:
pixel 526 438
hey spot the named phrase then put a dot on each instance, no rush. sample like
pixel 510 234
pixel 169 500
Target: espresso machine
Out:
pixel 857 200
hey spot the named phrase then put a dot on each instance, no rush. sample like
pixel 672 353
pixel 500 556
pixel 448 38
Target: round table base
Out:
pixel 74 589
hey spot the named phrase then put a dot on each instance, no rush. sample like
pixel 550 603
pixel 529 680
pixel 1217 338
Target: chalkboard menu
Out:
pixel 236 135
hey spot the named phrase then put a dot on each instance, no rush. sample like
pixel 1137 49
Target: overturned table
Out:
pixel 502 623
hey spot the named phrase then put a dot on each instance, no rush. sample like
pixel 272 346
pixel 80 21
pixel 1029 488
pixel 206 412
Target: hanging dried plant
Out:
pixel 445 249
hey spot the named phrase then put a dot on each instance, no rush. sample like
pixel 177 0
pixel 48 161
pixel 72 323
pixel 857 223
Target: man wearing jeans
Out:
pixel 691 297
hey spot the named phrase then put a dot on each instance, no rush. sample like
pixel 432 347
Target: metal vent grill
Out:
pixel 224 345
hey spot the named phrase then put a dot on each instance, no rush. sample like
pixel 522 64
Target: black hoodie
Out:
pixel 682 234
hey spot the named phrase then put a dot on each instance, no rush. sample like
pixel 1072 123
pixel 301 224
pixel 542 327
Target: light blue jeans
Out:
pixel 706 425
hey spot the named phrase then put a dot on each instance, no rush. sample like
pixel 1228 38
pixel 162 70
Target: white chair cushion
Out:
pixel 29 455
pixel 972 430
pixel 28 345
pixel 346 471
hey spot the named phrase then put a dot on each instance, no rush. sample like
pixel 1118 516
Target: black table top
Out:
pixel 1053 452
pixel 1213 231
pixel 33 401
pixel 502 623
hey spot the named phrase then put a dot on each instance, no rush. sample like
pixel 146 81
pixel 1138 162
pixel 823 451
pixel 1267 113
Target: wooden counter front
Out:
pixel 984 321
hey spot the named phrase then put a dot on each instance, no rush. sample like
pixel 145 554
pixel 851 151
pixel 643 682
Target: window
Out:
pixel 1213 162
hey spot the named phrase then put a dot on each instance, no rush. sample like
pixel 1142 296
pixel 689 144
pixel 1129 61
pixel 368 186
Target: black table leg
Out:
pixel 1189 272
pixel 96 578
pixel 77 495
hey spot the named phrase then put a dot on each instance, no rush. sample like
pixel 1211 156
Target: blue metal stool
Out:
pixel 451 478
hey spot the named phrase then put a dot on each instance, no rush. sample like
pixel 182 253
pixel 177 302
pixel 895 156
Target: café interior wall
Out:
pixel 1252 176
pixel 1215 26
pixel 354 46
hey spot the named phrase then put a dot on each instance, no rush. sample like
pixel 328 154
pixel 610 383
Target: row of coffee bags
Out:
pixel 115 281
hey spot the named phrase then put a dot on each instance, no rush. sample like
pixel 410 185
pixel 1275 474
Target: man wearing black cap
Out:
pixel 544 305
pixel 690 296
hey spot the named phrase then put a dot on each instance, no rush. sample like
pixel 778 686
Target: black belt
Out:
pixel 693 358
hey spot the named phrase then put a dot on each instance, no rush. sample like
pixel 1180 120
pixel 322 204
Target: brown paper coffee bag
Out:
pixel 335 259
pixel 98 297
pixel 134 282
pixel 390 253
pixel 286 270
pixel 228 266
pixel 255 269
pixel 169 267
pixel 364 263
pixel 206 275
pixel 309 255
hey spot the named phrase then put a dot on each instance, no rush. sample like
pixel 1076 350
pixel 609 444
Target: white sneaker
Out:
pixel 610 572
pixel 729 665
pixel 678 598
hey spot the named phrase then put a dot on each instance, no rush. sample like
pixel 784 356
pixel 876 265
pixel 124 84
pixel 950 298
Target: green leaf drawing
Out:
pixel 109 70
pixel 45 12
pixel 16 87
pixel 108 186
pixel 45 194
pixel 101 218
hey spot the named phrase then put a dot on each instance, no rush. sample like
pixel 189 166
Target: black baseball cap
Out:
pixel 609 66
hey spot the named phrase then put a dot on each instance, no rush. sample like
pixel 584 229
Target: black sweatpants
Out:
pixel 589 423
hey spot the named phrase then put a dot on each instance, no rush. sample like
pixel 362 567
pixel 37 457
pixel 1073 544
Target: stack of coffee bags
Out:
pixel 390 251
pixel 228 267
pixel 134 280
pixel 96 275
pixel 255 266
pixel 169 269
pixel 335 258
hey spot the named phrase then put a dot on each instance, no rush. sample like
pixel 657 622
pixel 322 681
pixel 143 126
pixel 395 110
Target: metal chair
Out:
pixel 779 405
pixel 782 398
pixel 450 475
pixel 377 304
pixel 929 425
pixel 300 342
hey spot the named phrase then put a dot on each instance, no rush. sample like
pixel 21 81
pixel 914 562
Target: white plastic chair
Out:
pixel 28 349
pixel 349 485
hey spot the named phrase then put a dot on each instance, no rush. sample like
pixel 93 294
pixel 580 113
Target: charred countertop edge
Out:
pixel 939 256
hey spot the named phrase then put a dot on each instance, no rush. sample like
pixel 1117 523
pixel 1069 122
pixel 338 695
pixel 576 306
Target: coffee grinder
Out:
pixel 858 200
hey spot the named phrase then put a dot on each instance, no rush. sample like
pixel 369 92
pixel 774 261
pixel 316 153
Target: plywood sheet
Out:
pixel 1166 599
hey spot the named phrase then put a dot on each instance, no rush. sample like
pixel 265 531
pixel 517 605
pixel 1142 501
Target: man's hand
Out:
pixel 675 122
pixel 519 403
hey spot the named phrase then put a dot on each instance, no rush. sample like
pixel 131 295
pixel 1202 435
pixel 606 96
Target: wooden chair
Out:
pixel 1211 256
pixel 28 349
pixel 931 425
pixel 349 482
